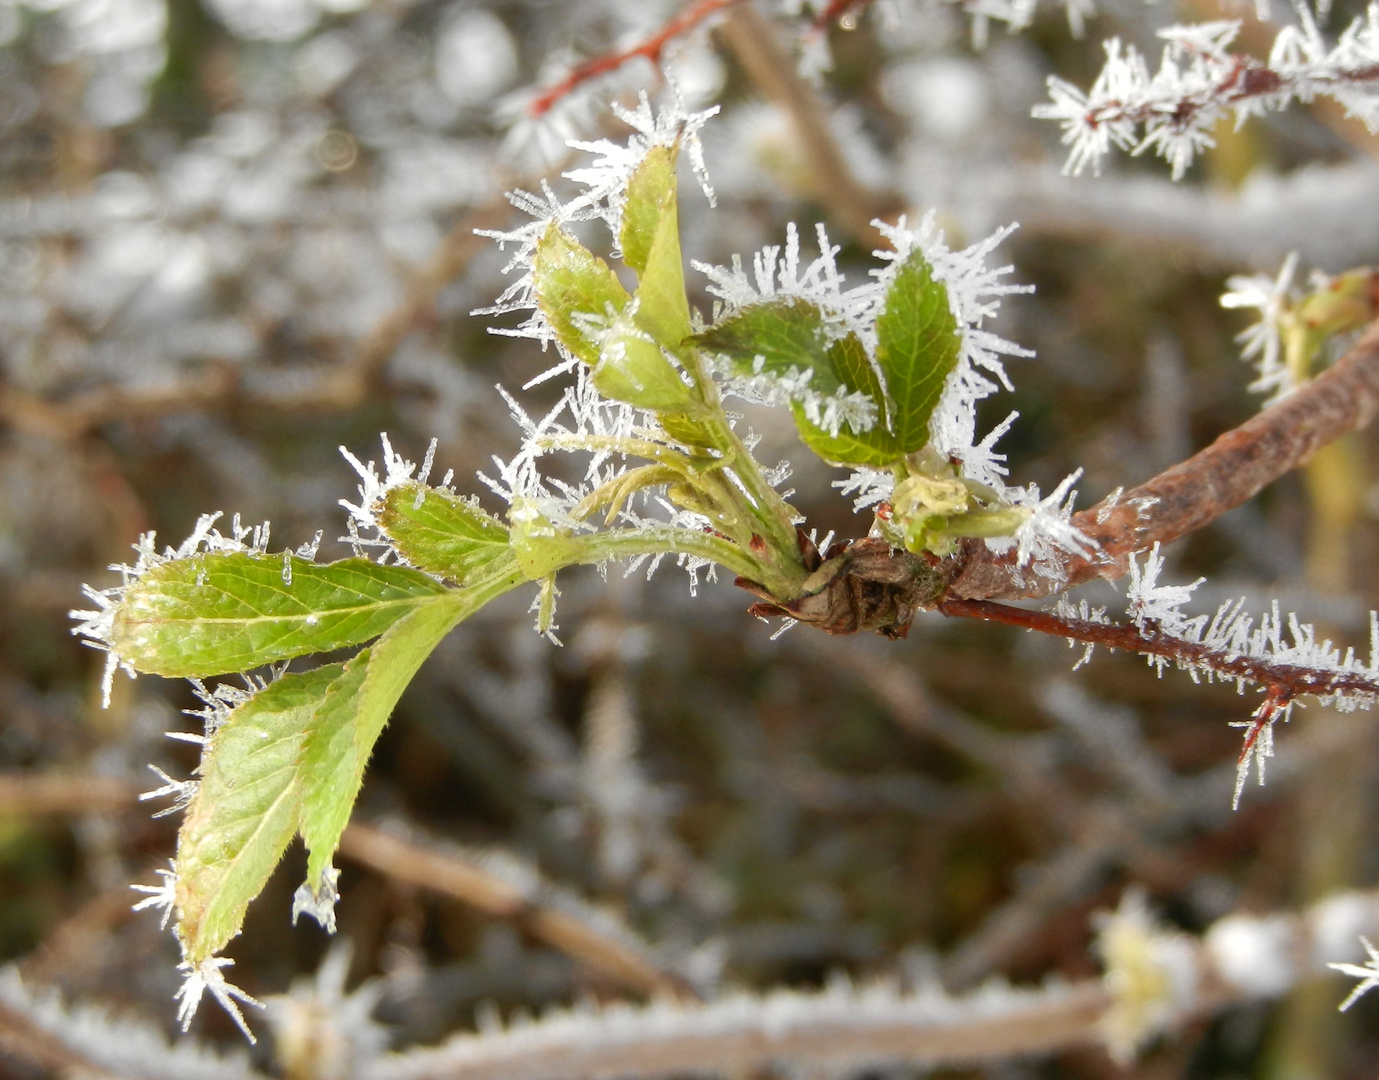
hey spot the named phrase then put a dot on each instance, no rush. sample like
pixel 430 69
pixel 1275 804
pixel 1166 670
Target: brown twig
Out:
pixel 650 49
pixel 754 43
pixel 1197 491
pixel 1288 679
pixel 50 793
pixel 475 880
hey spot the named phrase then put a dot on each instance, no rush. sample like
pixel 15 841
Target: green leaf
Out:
pixel 356 708
pixel 662 307
pixel 446 534
pixel 350 719
pixel 244 812
pixel 917 347
pixel 233 611
pixel 635 370
pixel 875 446
pixel 784 334
pixel 647 191
pixel 684 429
pixel 569 281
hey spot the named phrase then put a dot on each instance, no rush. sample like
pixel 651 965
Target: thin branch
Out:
pixel 754 43
pixel 501 886
pixel 1291 680
pixel 841 1028
pixel 1158 978
pixel 1194 493
pixel 81 1041
pixel 651 49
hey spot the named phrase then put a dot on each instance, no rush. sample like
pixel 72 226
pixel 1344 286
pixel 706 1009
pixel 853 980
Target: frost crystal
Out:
pixel 1173 111
pixel 163 895
pixel 1262 342
pixel 197 978
pixel 180 790
pixel 1368 974
pixel 319 905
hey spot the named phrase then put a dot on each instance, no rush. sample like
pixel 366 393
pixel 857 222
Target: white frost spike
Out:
pixel 201 977
pixel 319 905
pixel 162 895
pixel 180 790
pixel 1262 342
pixel 1150 602
pixel 1368 974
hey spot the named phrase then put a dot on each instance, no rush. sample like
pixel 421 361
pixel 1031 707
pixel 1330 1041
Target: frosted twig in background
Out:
pixel 504 886
pixel 1198 82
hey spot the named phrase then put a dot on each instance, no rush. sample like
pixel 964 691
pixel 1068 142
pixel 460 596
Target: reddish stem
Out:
pixel 651 49
pixel 1280 679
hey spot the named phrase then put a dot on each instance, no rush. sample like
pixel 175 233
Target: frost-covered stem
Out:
pixel 476 881
pixel 1244 79
pixel 836 1030
pixel 651 49
pixel 779 560
pixel 1282 680
pixel 1197 491
pixel 629 543
pixel 29 1043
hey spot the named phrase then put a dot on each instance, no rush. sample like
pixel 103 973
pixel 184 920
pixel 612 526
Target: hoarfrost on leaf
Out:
pixel 198 978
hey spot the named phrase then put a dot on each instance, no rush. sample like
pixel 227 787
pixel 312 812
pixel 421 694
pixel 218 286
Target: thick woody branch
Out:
pixel 1194 493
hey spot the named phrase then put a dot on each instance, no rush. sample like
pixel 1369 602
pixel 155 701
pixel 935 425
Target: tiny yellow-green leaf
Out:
pixel 445 534
pixel 634 370
pixel 354 711
pixel 574 287
pixel 647 191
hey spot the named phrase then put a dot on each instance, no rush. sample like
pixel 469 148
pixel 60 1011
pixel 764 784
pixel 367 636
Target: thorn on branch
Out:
pixel 1259 737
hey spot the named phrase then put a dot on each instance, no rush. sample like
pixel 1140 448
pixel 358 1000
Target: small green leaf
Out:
pixel 647 190
pixel 686 430
pixel 662 307
pixel 875 446
pixel 352 715
pixel 233 611
pixel 446 534
pixel 782 334
pixel 244 812
pixel 917 347
pixel 572 281
pixel 635 370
